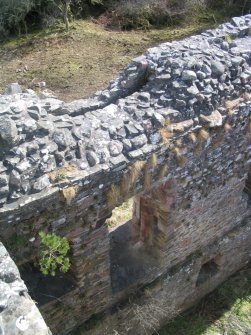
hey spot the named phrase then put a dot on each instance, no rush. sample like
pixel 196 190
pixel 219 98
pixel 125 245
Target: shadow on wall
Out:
pixel 130 261
pixel 44 289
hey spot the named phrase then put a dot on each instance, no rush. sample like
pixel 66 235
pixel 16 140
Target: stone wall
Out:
pixel 174 132
pixel 174 290
pixel 18 312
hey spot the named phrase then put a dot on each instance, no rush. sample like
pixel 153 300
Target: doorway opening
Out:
pixel 132 254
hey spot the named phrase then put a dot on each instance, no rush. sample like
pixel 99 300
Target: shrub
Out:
pixel 53 254
pixel 66 8
pixel 13 13
pixel 131 14
pixel 18 15
pixel 143 13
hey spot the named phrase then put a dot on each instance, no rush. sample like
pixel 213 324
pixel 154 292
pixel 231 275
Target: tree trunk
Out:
pixel 229 3
pixel 66 5
pixel 25 28
pixel 244 7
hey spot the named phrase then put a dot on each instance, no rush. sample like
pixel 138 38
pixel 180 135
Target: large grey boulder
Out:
pixel 41 183
pixel 217 68
pixel 13 88
pixel 115 148
pixel 8 132
pixel 92 158
pixel 189 75
pixel 63 138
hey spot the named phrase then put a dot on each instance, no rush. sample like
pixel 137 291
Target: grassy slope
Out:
pixel 78 63
pixel 226 311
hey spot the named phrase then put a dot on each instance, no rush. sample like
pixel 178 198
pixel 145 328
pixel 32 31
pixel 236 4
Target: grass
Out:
pixel 203 135
pixel 193 137
pixel 226 311
pixel 69 194
pixel 121 214
pixel 63 173
pixel 147 179
pixel 163 171
pixel 77 63
pixel 130 178
pixel 165 135
pixel 182 160
pixel 153 161
pixel 113 195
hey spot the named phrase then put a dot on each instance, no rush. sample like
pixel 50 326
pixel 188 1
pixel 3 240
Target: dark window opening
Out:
pixel 207 271
pixel 44 289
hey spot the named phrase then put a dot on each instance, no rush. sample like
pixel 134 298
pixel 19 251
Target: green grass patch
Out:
pixel 226 311
pixel 121 214
pixel 85 59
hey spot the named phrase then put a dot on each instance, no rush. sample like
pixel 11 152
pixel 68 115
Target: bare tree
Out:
pixel 65 10
pixel 244 6
pixel 64 7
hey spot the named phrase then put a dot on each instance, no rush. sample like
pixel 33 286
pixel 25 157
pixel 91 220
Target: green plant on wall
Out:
pixel 53 254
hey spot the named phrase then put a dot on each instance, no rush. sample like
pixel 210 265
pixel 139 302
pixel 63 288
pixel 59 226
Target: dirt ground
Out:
pixel 77 63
